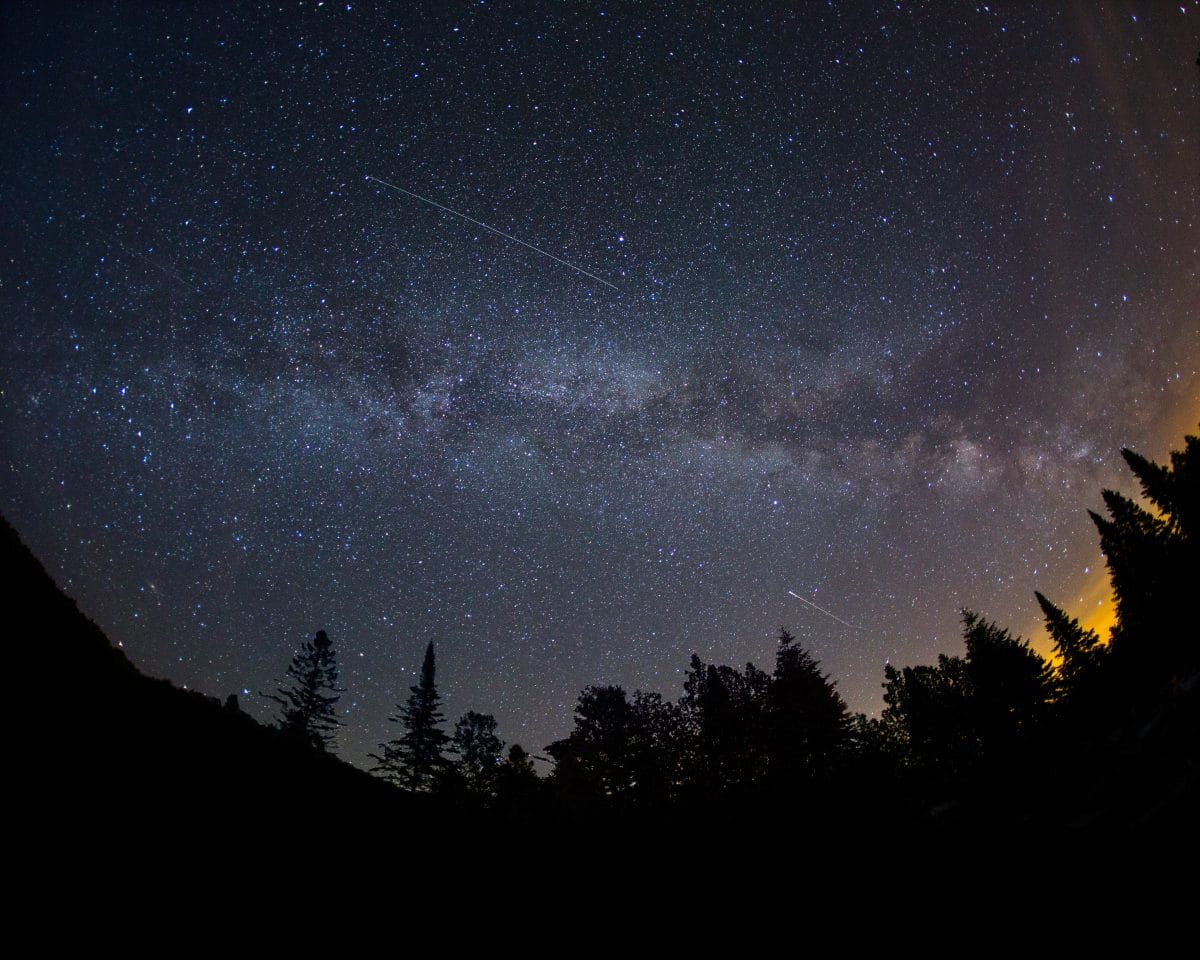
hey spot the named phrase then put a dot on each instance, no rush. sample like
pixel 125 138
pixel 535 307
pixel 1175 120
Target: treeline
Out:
pixel 1104 732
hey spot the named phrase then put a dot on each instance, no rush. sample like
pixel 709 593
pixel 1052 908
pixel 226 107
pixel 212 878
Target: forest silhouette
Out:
pixel 1102 734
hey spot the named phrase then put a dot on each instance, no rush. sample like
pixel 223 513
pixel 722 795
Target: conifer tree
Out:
pixel 968 709
pixel 1174 490
pixel 807 719
pixel 308 702
pixel 928 714
pixel 1079 650
pixel 1154 565
pixel 1010 684
pixel 416 759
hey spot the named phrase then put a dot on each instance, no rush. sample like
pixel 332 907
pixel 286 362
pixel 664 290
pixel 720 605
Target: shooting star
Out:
pixel 157 266
pixel 824 611
pixel 499 233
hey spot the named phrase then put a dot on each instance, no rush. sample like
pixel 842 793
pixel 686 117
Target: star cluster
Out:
pixel 894 283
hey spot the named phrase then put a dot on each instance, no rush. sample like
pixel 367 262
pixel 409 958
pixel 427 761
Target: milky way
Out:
pixel 894 285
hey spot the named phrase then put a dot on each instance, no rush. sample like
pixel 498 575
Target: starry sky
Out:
pixel 886 288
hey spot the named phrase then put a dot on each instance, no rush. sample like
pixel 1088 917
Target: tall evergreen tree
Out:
pixel 968 709
pixel 1174 490
pixel 308 701
pixel 927 714
pixel 1154 565
pixel 1010 684
pixel 416 759
pixel 1079 651
pixel 807 719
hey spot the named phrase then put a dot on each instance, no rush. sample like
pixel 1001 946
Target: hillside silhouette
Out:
pixel 113 745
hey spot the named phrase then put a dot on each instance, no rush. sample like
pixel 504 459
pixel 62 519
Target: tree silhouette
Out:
pixel 518 788
pixel 1010 685
pixel 595 758
pixel 968 708
pixel 926 714
pixel 723 710
pixel 416 759
pixel 621 748
pixel 807 720
pixel 308 702
pixel 1154 566
pixel 1080 651
pixel 478 751
pixel 656 747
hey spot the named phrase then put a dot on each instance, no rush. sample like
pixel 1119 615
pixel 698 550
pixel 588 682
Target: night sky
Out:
pixel 893 285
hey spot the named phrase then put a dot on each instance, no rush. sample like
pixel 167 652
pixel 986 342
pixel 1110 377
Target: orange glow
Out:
pixel 1095 607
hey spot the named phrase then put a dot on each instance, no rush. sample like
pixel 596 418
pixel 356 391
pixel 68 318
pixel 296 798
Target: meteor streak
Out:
pixel 157 266
pixel 824 611
pixel 499 233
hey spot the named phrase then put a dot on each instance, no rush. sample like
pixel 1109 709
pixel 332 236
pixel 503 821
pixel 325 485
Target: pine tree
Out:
pixel 807 719
pixel 1010 684
pixel 928 714
pixel 968 709
pixel 309 702
pixel 1154 565
pixel 416 759
pixel 1175 490
pixel 1080 651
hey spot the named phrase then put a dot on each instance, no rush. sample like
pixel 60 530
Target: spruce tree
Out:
pixel 928 714
pixel 308 701
pixel 1010 684
pixel 965 710
pixel 416 759
pixel 807 720
pixel 1079 650
pixel 1154 564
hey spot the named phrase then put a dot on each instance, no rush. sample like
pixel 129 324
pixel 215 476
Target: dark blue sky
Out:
pixel 895 283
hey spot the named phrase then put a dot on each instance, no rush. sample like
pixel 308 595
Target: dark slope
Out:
pixel 104 740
